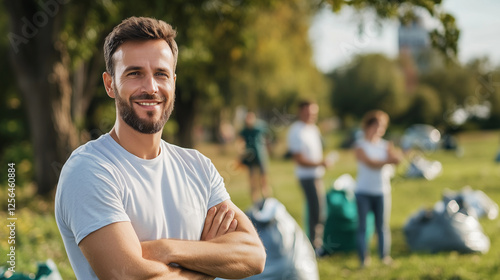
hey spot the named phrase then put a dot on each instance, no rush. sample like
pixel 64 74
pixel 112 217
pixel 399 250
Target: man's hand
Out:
pixel 229 246
pixel 114 252
pixel 330 159
pixel 394 156
pixel 218 222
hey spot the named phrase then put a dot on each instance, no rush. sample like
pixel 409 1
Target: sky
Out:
pixel 336 38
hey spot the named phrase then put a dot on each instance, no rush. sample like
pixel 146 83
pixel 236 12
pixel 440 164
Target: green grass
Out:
pixel 37 237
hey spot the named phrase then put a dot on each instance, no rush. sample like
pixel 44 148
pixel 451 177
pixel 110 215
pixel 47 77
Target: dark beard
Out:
pixel 129 116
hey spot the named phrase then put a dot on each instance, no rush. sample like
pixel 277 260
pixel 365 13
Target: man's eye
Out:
pixel 133 73
pixel 162 74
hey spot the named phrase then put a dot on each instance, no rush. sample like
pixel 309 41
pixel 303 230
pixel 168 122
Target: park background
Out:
pixel 263 56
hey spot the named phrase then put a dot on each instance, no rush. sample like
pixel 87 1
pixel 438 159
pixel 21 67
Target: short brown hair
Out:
pixel 138 29
pixel 374 116
pixel 304 103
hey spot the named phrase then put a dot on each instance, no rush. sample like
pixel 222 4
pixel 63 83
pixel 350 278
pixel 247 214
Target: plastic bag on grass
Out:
pixel 445 228
pixel 473 202
pixel 421 167
pixel 290 255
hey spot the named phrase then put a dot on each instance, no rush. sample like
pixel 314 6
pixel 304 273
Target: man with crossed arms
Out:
pixel 132 206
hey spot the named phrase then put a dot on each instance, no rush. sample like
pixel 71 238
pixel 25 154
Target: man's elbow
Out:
pixel 259 262
pixel 253 262
pixel 262 261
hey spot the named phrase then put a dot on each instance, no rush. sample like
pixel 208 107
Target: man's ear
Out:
pixel 175 77
pixel 108 84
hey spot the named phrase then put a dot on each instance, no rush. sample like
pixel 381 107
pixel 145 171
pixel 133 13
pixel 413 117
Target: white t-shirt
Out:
pixel 305 139
pixel 165 197
pixel 369 180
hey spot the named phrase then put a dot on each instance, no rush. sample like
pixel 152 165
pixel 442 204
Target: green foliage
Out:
pixel 372 81
pixel 14 143
pixel 455 86
pixel 37 236
pixel 425 107
pixel 487 90
pixel 14 136
pixel 82 34
pixel 275 67
pixel 369 82
pixel 231 52
pixel 446 40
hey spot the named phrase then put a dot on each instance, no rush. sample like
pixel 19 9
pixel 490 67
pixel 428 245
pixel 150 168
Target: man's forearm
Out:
pixel 182 273
pixel 302 161
pixel 115 252
pixel 179 273
pixel 234 255
pixel 229 246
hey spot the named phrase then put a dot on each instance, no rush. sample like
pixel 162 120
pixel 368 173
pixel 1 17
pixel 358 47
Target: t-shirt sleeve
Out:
pixel 265 130
pixel 294 143
pixel 358 143
pixel 90 197
pixel 218 192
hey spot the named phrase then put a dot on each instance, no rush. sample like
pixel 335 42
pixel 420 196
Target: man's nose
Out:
pixel 150 85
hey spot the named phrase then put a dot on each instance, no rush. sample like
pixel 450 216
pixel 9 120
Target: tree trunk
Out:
pixel 85 82
pixel 42 74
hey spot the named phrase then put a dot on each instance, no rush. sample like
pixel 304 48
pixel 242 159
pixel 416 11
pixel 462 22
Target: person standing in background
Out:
pixel 255 156
pixel 306 148
pixel 373 188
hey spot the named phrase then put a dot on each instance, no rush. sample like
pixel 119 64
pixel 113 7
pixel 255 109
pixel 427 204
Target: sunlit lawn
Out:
pixel 37 237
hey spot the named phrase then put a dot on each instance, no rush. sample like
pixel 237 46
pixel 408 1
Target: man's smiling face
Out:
pixel 144 84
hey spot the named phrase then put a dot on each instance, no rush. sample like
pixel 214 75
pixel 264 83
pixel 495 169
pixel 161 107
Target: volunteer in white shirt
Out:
pixel 306 147
pixel 132 206
pixel 373 185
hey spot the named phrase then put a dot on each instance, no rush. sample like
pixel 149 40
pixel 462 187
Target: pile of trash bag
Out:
pixel 341 224
pixel 473 202
pixel 290 254
pixel 46 271
pixel 452 225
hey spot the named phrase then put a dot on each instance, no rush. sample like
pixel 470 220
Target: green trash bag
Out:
pixel 342 222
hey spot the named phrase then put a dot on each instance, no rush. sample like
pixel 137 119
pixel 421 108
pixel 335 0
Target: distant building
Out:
pixel 414 41
pixel 416 54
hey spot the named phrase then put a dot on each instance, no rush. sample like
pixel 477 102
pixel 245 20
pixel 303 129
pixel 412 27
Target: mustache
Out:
pixel 147 96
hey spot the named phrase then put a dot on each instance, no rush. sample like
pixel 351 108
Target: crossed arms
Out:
pixel 393 157
pixel 302 161
pixel 229 248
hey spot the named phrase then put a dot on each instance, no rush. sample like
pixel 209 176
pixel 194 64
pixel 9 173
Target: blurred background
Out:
pixel 423 62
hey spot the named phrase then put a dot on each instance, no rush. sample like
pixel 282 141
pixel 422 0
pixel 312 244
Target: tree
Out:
pixel 425 107
pixel 444 37
pixel 275 68
pixel 455 85
pixel 369 82
pixel 42 73
pixel 489 89
pixel 14 137
pixel 486 93
pixel 56 55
